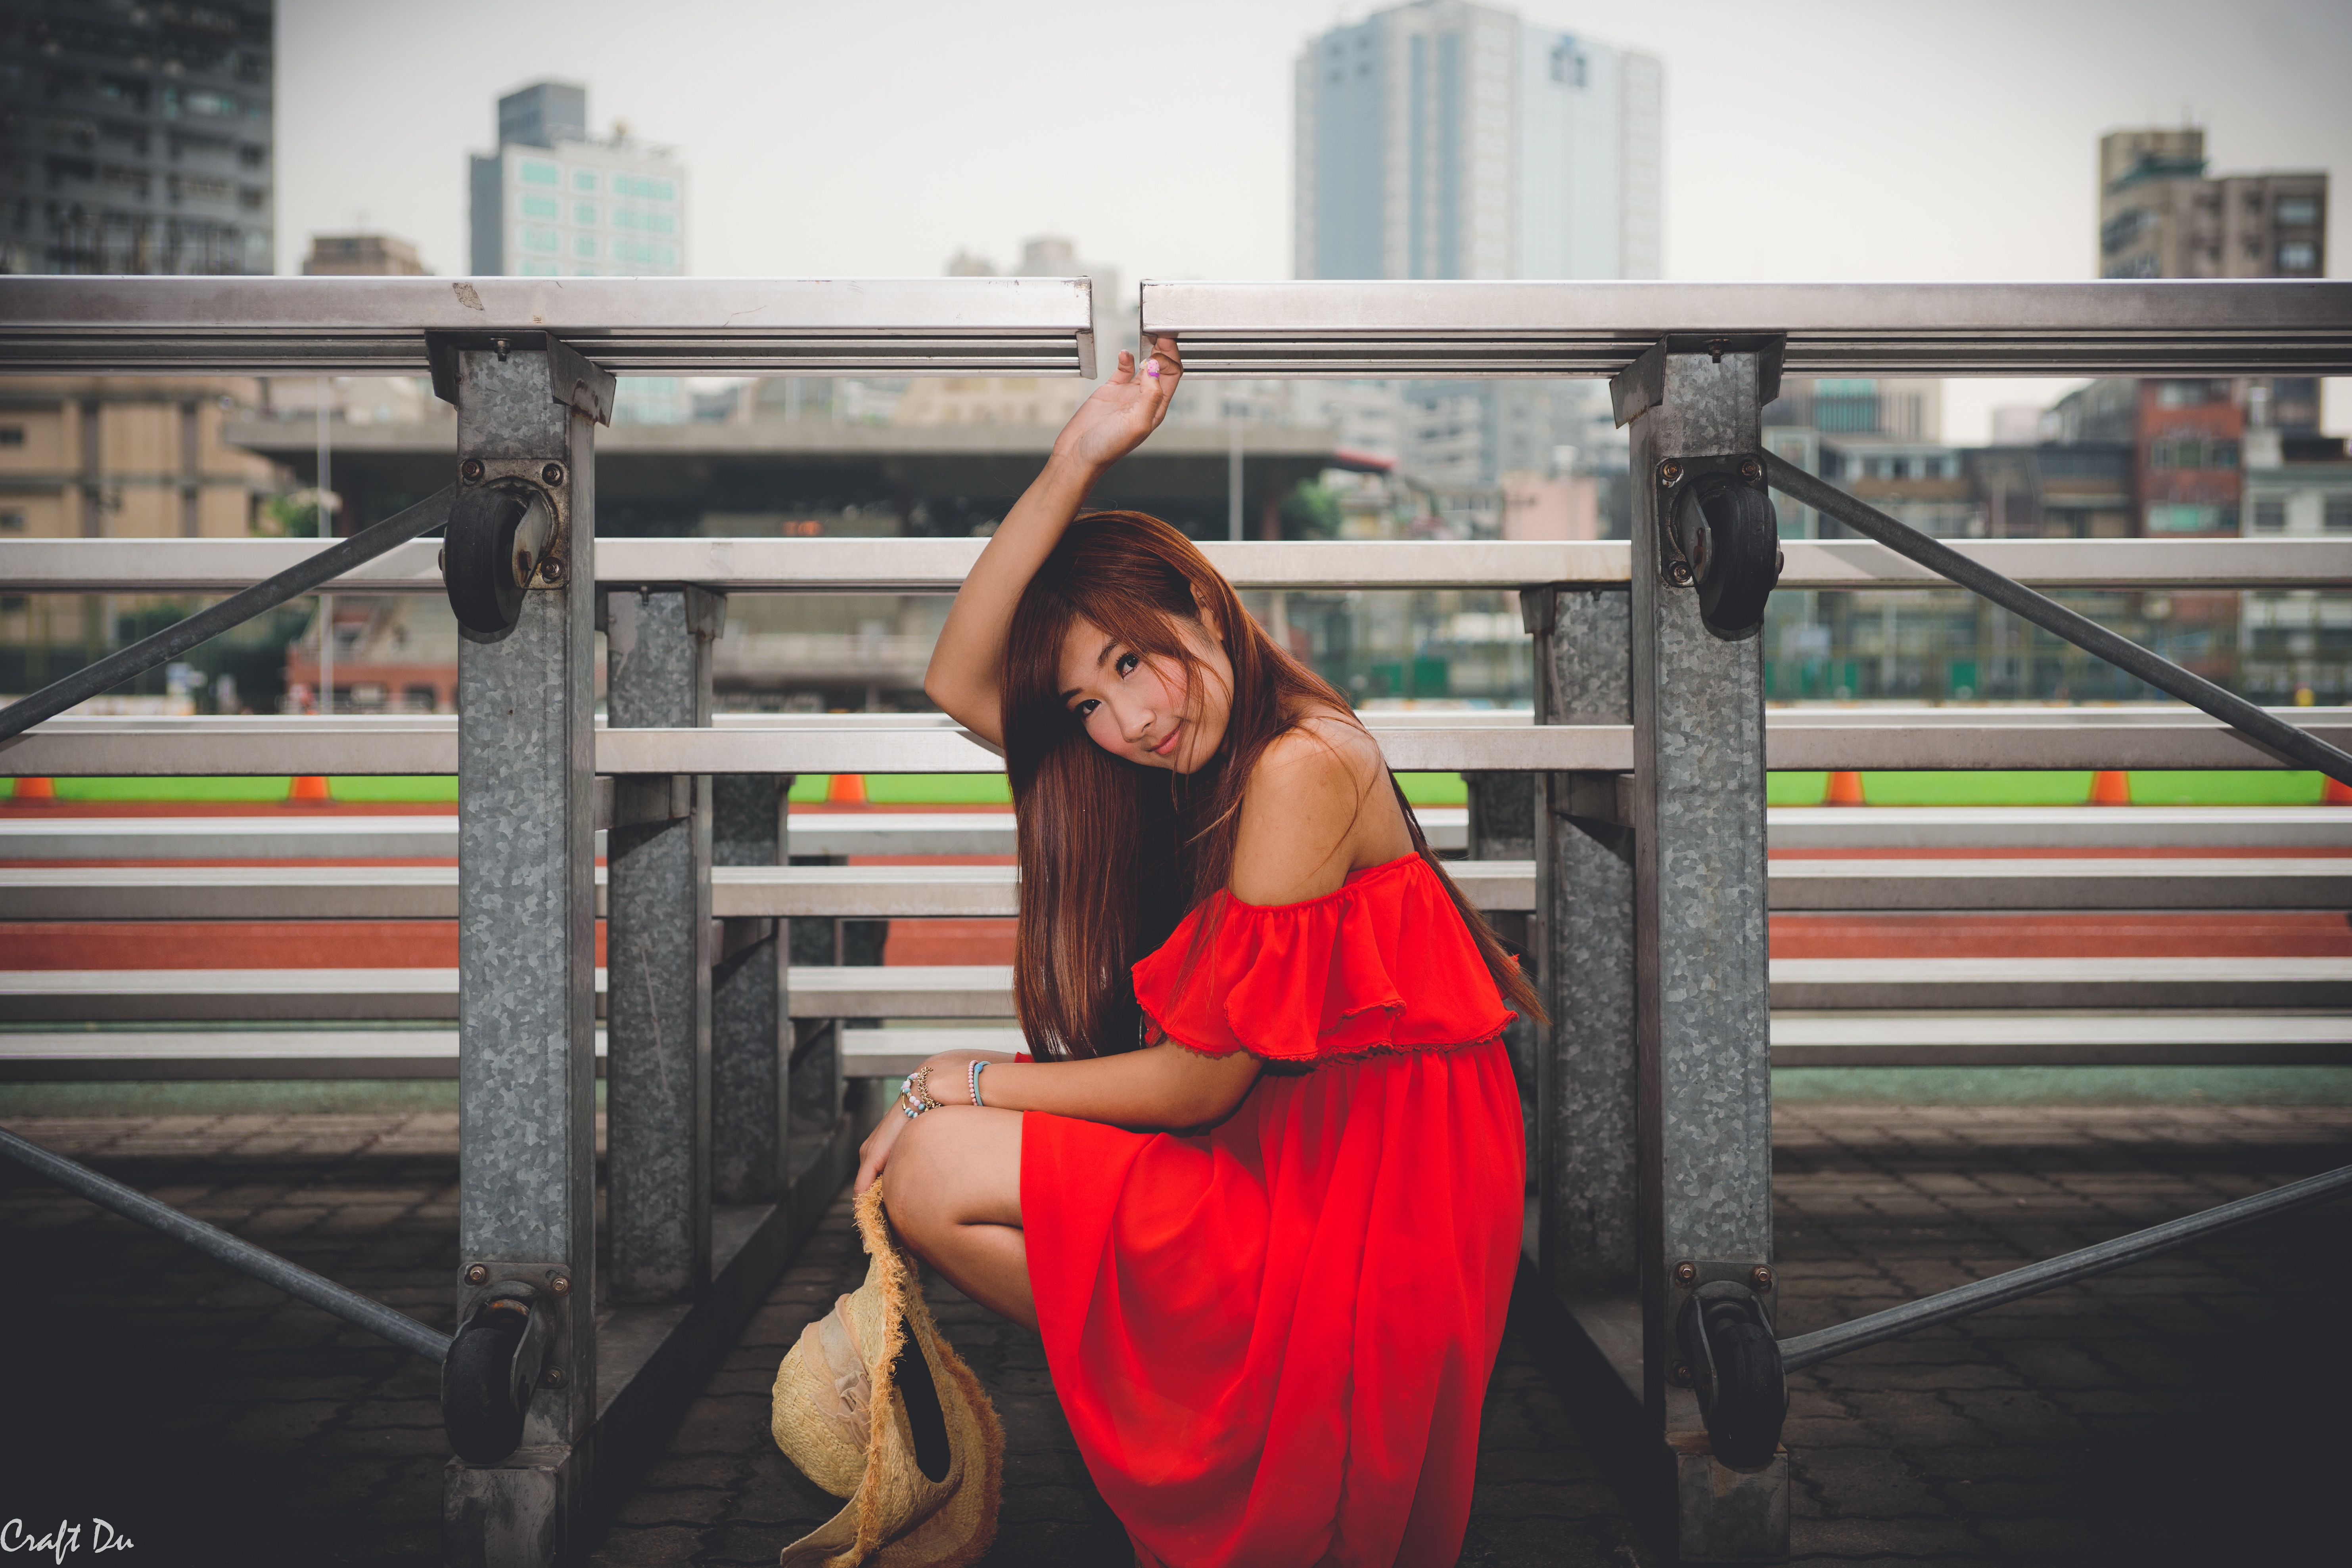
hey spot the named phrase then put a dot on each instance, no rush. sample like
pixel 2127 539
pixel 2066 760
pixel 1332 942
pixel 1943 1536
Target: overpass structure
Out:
pixel 1626 822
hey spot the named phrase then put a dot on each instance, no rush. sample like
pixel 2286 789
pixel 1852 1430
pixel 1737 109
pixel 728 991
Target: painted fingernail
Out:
pixel 1153 369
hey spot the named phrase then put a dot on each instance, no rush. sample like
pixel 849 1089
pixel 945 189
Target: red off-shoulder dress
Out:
pixel 1272 1339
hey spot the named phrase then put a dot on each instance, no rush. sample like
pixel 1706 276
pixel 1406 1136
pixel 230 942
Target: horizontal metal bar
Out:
pixel 2293 743
pixel 1803 739
pixel 633 326
pixel 220 1246
pixel 281 892
pixel 2119 1038
pixel 1802 1351
pixel 1802 984
pixel 2141 1038
pixel 941 566
pixel 124 664
pixel 1562 328
pixel 293 836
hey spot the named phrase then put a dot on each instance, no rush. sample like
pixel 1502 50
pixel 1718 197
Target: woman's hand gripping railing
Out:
pixel 176 639
pixel 2265 729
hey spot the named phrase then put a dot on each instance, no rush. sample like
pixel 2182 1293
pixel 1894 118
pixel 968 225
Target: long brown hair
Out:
pixel 1113 854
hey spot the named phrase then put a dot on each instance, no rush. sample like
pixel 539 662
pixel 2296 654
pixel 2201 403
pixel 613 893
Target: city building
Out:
pixel 362 256
pixel 2297 647
pixel 2185 436
pixel 554 202
pixel 2162 215
pixel 136 139
pixel 1447 139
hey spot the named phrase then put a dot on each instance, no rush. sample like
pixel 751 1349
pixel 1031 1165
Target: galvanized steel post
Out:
pixel 1701 1001
pixel 1583 935
pixel 658 954
pixel 751 1021
pixel 526 966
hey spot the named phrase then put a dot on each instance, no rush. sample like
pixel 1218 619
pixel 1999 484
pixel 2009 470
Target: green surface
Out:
pixel 2069 788
pixel 2268 787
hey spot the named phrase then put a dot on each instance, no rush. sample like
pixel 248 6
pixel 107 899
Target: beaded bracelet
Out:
pixel 977 1064
pixel 917 1092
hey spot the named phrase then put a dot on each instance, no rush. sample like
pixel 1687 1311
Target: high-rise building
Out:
pixel 136 138
pixel 1448 140
pixel 2161 215
pixel 552 202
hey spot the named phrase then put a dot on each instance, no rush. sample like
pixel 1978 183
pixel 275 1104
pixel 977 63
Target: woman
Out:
pixel 1260 1193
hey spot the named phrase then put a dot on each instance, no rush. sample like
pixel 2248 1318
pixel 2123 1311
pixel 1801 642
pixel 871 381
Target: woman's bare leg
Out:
pixel 953 1187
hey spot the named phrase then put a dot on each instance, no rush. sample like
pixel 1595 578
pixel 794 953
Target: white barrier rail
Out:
pixel 2150 736
pixel 940 565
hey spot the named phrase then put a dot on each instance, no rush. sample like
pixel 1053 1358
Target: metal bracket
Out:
pixel 632 800
pixel 1717 532
pixel 574 382
pixel 482 1278
pixel 1641 386
pixel 549 478
pixel 1686 1276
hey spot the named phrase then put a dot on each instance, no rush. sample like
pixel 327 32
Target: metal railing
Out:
pixel 1649 746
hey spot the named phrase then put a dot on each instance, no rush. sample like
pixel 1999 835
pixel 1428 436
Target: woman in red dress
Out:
pixel 1260 1189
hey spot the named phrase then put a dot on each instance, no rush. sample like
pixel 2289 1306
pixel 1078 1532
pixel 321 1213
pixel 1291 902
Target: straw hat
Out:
pixel 913 1444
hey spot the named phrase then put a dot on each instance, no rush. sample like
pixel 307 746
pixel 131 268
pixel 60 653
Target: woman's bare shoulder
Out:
pixel 1302 810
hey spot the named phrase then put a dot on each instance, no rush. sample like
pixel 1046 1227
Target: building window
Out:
pixel 2180 393
pixel 585 245
pixel 12 522
pixel 532 172
pixel 650 222
pixel 641 186
pixel 12 435
pixel 584 214
pixel 536 269
pixel 541 239
pixel 2298 256
pixel 541 206
pixel 2335 516
pixel 2270 517
pixel 2298 212
pixel 2175 517
pixel 585 181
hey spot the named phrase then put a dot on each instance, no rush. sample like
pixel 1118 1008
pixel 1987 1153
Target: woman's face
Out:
pixel 1139 706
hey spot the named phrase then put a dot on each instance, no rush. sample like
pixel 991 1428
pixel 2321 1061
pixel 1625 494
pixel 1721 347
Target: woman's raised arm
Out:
pixel 970 654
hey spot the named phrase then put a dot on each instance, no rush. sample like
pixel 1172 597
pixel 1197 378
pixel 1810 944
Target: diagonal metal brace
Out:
pixel 2298 746
pixel 176 639
pixel 234 1251
pixel 1804 1350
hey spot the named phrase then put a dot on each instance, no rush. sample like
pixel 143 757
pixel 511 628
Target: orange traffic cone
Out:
pixel 845 789
pixel 1845 789
pixel 35 792
pixel 308 789
pixel 2111 788
pixel 2335 793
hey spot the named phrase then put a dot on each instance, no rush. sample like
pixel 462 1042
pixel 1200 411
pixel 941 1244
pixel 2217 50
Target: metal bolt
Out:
pixel 470 470
pixel 1670 472
pixel 551 573
pixel 561 1284
pixel 1761 1276
pixel 1679 1374
pixel 1715 347
pixel 1679 575
pixel 553 473
pixel 1686 1273
pixel 552 1377
pixel 478 1274
pixel 1749 469
pixel 501 345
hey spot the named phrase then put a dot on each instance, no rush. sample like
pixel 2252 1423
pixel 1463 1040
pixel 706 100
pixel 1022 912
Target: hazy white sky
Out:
pixel 1812 139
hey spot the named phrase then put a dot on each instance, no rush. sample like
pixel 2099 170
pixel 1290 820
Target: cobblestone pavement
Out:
pixel 2180 1411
